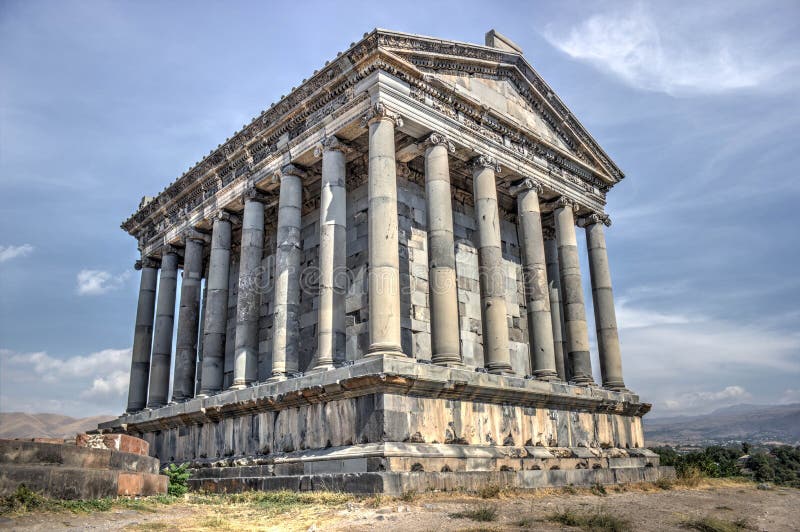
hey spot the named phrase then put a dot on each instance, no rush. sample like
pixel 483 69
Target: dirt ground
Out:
pixel 739 506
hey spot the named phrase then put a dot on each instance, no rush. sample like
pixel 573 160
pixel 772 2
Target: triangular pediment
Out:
pixel 501 96
pixel 503 81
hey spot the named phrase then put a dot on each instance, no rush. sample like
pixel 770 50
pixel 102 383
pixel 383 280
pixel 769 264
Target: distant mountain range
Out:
pixel 21 425
pixel 743 422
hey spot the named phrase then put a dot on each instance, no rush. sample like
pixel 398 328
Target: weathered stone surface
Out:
pixel 114 442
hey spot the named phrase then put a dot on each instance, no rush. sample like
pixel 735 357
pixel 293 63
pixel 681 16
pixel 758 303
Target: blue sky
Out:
pixel 104 102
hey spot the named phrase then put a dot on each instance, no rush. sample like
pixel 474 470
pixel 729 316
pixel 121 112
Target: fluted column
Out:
pixel 198 382
pixel 445 342
pixel 216 306
pixel 285 329
pixel 556 314
pixel 578 359
pixel 332 255
pixel 162 336
pixel 534 265
pixel 492 269
pixel 605 317
pixel 245 364
pixel 143 335
pixel 188 318
pixel 384 258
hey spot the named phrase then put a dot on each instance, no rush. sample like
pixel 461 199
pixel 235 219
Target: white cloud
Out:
pixel 707 400
pixel 98 282
pixel 629 317
pixel 666 51
pixel 83 385
pixel 12 252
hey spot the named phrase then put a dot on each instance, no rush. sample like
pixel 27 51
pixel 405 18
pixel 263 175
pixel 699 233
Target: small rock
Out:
pixel 430 506
pixel 312 528
pixel 764 486
pixel 380 517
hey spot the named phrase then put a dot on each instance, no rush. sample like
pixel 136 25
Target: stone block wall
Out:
pixel 414 297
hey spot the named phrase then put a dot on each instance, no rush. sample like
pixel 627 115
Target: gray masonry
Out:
pixel 392 288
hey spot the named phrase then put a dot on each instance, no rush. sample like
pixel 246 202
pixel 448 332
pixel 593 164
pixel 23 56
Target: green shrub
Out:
pixel 178 479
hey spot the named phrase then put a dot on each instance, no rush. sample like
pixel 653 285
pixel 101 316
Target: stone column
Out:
pixel 162 335
pixel 445 342
pixel 188 319
pixel 492 268
pixel 142 335
pixel 556 314
pixel 540 326
pixel 384 257
pixel 578 359
pixel 332 254
pixel 605 317
pixel 216 306
pixel 198 382
pixel 245 364
pixel 285 329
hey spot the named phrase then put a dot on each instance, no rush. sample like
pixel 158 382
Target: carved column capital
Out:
pixel 169 248
pixel 252 193
pixel 289 169
pixel 595 218
pixel 437 139
pixel 564 201
pixel 527 184
pixel 331 143
pixel 226 216
pixel 379 111
pixel 484 161
pixel 194 234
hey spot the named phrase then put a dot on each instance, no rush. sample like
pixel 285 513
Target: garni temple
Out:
pixel 381 288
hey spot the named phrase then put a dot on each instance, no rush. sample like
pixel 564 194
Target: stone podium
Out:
pixel 382 291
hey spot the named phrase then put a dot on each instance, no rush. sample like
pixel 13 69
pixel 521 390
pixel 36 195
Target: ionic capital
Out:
pixel 526 185
pixel 484 161
pixel 564 201
pixel 225 216
pixel 289 169
pixel 254 194
pixel 437 139
pixel 146 262
pixel 169 249
pixel 595 218
pixel 331 143
pixel 195 235
pixel 379 111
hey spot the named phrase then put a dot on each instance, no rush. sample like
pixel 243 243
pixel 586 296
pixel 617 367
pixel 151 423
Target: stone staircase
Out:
pixel 90 467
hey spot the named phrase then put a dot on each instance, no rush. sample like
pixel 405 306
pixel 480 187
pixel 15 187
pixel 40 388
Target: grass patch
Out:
pixel 598 521
pixel 25 500
pixel 489 492
pixel 664 483
pixel 599 490
pixel 277 502
pixel 408 496
pixel 214 522
pixel 483 513
pixel 714 524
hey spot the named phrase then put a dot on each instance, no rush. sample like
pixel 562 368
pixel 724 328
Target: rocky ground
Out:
pixel 717 505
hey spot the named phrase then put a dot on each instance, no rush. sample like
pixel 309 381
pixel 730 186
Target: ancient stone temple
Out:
pixel 381 287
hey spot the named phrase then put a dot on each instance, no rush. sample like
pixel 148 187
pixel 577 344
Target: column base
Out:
pixel 499 368
pixel 547 375
pixel 448 360
pixel 616 386
pixel 582 381
pixel 239 386
pixel 385 350
pixel 277 377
